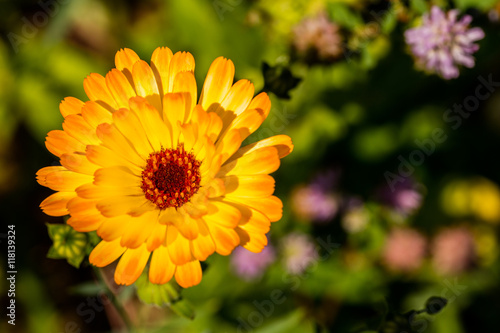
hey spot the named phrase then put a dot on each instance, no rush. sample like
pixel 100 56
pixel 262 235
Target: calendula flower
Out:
pixel 442 42
pixel 160 176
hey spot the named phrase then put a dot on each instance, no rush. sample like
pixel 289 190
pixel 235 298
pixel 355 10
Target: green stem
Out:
pixel 114 300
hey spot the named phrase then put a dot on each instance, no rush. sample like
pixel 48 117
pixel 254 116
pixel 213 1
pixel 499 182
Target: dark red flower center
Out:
pixel 171 177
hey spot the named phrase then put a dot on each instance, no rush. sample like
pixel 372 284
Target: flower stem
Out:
pixel 117 304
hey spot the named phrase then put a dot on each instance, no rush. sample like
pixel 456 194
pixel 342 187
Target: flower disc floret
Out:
pixel 171 177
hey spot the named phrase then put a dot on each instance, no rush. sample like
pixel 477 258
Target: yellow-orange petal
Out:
pixel 157 237
pixel 129 125
pixel 178 246
pixel 174 111
pixel 260 161
pixel 120 87
pixel 78 163
pixel 217 83
pixel 189 274
pixel 246 123
pixel 161 269
pixel 186 83
pixel 282 142
pixel 236 101
pixel 225 239
pixel 222 213
pixel 252 219
pixel 131 265
pixel 56 204
pixel 119 204
pixel 228 145
pixel 113 228
pixel 82 207
pixel 105 157
pixel 106 252
pixel 118 176
pixel 189 136
pixel 61 179
pixel 271 206
pixel 187 226
pixel 159 133
pixel 86 223
pixel 256 186
pixel 115 141
pixel 125 58
pixel 252 241
pixel 180 62
pixel 203 245
pixel 145 83
pixel 216 188
pixel 160 64
pixel 92 192
pixel 261 102
pixel 59 142
pixel 96 89
pixel 95 114
pixel 208 123
pixel 195 210
pixel 70 105
pixel 137 232
pixel 80 130
pixel 44 172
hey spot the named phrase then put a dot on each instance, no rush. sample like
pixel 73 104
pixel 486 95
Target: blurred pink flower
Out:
pixel 299 252
pixel 317 37
pixel 404 249
pixel 315 201
pixel 453 250
pixel 249 265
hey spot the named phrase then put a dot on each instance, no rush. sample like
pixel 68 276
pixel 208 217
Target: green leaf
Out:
pixel 420 6
pixel 344 16
pixel 290 323
pixel 482 5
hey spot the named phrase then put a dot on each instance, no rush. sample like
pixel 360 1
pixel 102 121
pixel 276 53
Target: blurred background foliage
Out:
pixel 355 250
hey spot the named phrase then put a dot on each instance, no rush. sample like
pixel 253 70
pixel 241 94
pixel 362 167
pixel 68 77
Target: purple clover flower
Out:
pixel 442 42
pixel 404 197
pixel 315 201
pixel 251 266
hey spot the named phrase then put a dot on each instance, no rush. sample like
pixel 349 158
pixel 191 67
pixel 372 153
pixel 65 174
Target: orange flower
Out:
pixel 160 178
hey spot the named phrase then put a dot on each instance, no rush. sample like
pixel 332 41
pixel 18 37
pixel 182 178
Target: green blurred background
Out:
pixel 353 118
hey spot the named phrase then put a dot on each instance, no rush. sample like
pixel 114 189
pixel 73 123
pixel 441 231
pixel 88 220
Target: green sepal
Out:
pixel 183 308
pixel 163 295
pixel 67 244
